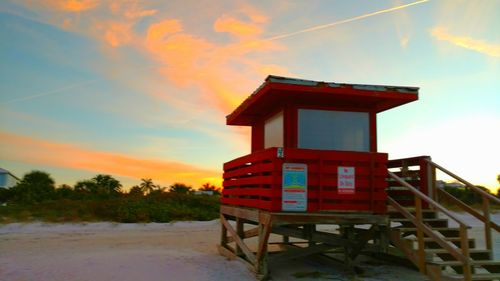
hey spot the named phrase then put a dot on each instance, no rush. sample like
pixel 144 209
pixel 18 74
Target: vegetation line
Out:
pixel 101 198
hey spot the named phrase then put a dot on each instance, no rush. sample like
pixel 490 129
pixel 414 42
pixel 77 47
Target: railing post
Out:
pixel 432 177
pixel 420 234
pixel 487 223
pixel 464 243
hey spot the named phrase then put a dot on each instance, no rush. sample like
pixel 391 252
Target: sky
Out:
pixel 140 89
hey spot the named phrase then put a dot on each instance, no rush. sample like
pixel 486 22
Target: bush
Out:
pixel 161 207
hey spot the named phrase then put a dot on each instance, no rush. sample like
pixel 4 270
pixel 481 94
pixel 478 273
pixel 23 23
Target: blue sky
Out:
pixel 141 88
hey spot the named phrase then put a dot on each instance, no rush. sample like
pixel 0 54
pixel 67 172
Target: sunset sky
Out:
pixel 140 89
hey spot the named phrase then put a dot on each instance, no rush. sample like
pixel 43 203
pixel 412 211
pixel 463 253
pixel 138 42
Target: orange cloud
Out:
pixel 236 27
pixel 130 9
pixel 42 152
pixel 73 6
pixel 224 73
pixel 115 34
pixel 480 46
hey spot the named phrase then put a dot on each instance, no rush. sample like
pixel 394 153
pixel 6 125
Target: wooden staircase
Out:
pixel 434 239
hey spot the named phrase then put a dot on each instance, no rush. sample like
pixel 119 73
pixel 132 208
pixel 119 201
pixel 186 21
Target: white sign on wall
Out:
pixel 294 188
pixel 346 180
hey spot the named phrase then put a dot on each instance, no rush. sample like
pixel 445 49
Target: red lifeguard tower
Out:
pixel 314 160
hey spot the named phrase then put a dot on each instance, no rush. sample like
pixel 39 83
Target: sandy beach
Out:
pixel 176 251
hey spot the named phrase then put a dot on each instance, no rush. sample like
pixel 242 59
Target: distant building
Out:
pixel 7 179
pixel 443 184
pixel 454 185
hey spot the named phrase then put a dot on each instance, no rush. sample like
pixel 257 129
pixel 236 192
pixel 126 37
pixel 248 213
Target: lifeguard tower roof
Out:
pixel 278 91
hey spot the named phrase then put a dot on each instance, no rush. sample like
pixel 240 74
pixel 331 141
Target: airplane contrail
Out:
pixel 77 85
pixel 277 37
pixel 323 26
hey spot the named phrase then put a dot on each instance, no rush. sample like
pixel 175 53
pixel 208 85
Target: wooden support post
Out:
pixel 464 243
pixel 244 248
pixel 420 236
pixel 487 223
pixel 265 227
pixel 223 233
pixel 241 234
pixel 309 230
pixel 383 238
pixel 348 234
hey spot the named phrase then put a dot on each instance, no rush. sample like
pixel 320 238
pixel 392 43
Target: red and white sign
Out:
pixel 346 183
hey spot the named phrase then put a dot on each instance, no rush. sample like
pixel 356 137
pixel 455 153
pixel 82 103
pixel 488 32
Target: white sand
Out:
pixel 121 252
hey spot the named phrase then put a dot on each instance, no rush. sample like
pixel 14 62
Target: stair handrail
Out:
pixel 462 256
pixel 427 199
pixel 486 198
pixel 468 184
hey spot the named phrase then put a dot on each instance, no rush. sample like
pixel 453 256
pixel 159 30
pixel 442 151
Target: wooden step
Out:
pixel 429 221
pixel 490 266
pixel 431 244
pixel 473 262
pixel 426 213
pixel 445 231
pixel 443 251
pixel 475 254
pixel 475 277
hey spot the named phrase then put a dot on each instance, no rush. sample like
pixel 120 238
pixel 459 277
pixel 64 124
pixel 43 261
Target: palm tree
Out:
pixel 107 184
pixel 210 187
pixel 147 186
pixel 180 188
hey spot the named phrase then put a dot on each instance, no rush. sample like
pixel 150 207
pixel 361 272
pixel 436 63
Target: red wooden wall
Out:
pixel 255 180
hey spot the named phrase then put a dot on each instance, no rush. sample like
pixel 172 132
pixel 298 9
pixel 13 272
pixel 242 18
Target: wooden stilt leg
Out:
pixel 265 227
pixel 241 234
pixel 223 233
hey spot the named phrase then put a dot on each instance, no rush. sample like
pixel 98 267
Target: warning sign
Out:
pixel 294 188
pixel 346 180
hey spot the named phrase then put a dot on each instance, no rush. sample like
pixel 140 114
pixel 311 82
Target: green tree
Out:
pixel 107 184
pixel 498 190
pixel 136 191
pixel 180 188
pixel 101 186
pixel 147 186
pixel 210 187
pixel 36 186
pixel 64 191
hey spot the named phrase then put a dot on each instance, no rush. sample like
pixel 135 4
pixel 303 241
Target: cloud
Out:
pixel 480 46
pixel 130 9
pixel 115 33
pixel 236 27
pixel 74 6
pixel 42 152
pixel 223 73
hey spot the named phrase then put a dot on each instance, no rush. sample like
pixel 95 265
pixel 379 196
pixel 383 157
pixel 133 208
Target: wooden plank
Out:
pixel 246 234
pixel 298 252
pixel 248 214
pixel 448 246
pixel 264 231
pixel 244 248
pixel 226 252
pixel 317 236
pixel 255 180
pixel 240 233
pixel 245 170
pixel 328 218
pixel 255 191
pixel 420 235
pixel 252 203
pixel 250 158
